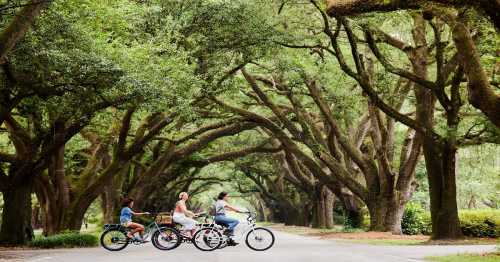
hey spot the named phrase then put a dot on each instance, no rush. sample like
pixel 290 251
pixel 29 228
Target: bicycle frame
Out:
pixel 150 228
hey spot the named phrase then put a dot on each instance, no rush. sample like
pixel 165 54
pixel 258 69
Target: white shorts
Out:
pixel 186 222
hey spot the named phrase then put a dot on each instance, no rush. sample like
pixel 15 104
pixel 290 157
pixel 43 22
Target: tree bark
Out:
pixel 440 164
pixel 323 207
pixel 439 156
pixel 329 201
pixel 16 217
pixel 386 214
pixel 481 94
pixel 334 7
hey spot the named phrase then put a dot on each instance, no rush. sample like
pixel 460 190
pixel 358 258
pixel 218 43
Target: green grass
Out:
pixel 315 231
pixel 386 242
pixel 492 257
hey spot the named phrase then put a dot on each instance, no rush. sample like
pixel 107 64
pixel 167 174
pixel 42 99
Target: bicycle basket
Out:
pixel 164 218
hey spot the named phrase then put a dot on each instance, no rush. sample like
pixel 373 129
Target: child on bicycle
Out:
pixel 126 214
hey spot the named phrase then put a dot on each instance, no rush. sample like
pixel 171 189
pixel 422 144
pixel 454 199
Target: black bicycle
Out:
pixel 163 236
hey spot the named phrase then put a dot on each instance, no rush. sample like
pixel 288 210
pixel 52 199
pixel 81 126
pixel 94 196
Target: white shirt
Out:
pixel 220 207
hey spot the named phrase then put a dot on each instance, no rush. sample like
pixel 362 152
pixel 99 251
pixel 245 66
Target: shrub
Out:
pixel 474 223
pixel 480 223
pixel 72 239
pixel 427 224
pixel 413 219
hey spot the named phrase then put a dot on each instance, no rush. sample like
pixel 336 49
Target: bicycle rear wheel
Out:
pixel 166 238
pixel 207 239
pixel 260 239
pixel 224 242
pixel 114 240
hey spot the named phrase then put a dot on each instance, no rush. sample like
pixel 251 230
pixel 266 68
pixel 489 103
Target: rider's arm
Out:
pixel 139 213
pixel 231 208
pixel 184 210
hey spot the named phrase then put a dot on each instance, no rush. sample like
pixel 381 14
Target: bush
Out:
pixel 427 226
pixel 480 223
pixel 474 223
pixel 413 219
pixel 65 240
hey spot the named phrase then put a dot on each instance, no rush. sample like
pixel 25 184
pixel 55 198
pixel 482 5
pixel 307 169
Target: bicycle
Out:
pixel 256 238
pixel 210 237
pixel 163 236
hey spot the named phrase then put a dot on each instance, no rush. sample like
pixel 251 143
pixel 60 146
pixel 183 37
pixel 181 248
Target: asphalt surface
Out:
pixel 288 247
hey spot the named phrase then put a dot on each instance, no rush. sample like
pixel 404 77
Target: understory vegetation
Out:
pixel 65 240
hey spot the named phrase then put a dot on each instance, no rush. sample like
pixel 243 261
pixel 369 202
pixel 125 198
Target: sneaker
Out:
pixel 232 243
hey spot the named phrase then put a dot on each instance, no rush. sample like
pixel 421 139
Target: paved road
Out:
pixel 289 248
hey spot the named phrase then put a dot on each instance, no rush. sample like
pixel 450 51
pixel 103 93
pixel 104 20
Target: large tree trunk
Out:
pixel 323 208
pixel 352 206
pixel 439 157
pixel 440 163
pixel 111 199
pixel 386 212
pixel 329 202
pixel 16 217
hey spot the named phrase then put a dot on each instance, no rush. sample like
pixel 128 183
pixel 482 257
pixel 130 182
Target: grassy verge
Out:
pixel 386 242
pixel 376 238
pixel 489 257
pixel 307 231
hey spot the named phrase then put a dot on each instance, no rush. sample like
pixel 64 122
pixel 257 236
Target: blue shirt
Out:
pixel 126 215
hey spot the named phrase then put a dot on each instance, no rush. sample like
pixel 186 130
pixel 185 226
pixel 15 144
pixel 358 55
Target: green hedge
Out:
pixel 474 223
pixel 480 223
pixel 65 240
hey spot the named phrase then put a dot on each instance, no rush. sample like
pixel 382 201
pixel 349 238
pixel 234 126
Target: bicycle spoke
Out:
pixel 260 239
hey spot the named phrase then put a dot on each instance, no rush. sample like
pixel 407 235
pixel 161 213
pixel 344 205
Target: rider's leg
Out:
pixel 230 222
pixel 136 227
pixel 133 229
pixel 190 226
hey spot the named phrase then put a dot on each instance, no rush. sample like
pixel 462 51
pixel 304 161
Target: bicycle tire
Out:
pixel 224 242
pixel 156 241
pixel 258 229
pixel 107 247
pixel 211 246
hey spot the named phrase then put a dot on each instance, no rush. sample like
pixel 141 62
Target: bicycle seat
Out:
pixel 112 226
pixel 220 224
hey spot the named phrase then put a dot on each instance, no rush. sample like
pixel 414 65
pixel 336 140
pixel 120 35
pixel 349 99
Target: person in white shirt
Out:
pixel 220 214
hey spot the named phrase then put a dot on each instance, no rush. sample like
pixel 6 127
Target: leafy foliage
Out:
pixel 413 220
pixel 65 240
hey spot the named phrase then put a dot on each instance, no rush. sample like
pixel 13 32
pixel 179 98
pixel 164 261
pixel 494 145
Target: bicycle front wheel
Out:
pixel 260 239
pixel 114 240
pixel 166 238
pixel 207 239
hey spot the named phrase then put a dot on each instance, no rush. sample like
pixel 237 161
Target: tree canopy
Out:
pixel 307 109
